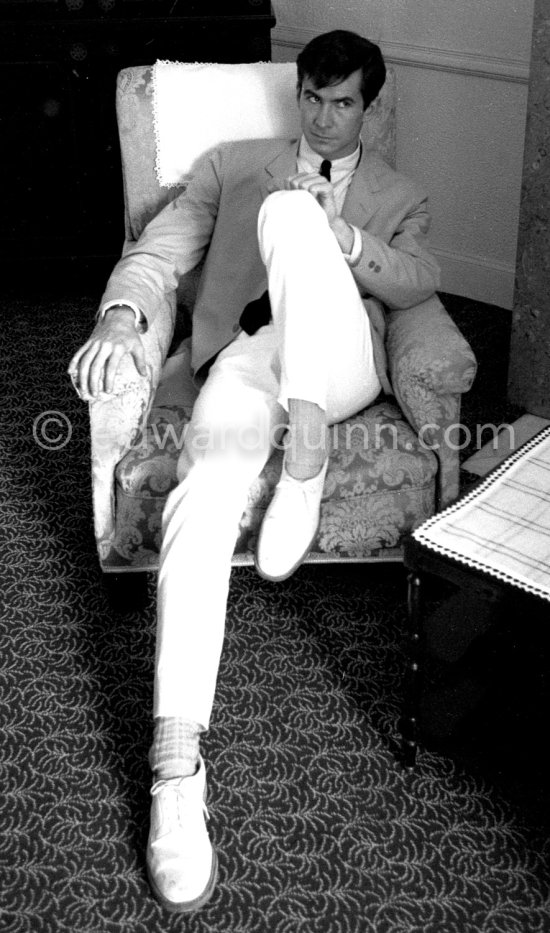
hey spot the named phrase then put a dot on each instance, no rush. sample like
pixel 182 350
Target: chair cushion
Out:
pixel 380 484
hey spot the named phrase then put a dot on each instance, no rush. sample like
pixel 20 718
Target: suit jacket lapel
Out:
pixel 283 165
pixel 359 205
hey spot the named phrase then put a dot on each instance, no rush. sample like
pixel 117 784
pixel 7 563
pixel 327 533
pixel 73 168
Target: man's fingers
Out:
pixel 94 366
pixel 78 369
pixel 138 355
pixel 80 373
pixel 111 367
pixel 303 181
pixel 313 184
pixel 302 178
pixel 279 184
pixel 96 371
pixel 306 179
pixel 105 366
pixel 72 368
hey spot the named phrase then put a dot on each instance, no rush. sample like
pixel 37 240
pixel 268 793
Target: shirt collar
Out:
pixel 339 166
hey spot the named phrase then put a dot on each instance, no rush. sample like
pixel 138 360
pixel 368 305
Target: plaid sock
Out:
pixel 175 748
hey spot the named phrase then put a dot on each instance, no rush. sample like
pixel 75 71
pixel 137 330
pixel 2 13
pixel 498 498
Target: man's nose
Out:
pixel 324 115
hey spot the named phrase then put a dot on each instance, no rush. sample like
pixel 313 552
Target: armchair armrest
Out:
pixel 116 419
pixel 431 365
pixel 427 351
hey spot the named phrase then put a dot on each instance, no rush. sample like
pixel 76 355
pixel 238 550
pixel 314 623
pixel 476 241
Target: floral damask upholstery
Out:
pixel 391 466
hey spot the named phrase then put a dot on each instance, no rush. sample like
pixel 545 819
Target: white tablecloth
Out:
pixel 503 526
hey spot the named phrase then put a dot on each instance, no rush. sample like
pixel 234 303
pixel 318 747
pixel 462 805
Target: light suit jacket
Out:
pixel 216 217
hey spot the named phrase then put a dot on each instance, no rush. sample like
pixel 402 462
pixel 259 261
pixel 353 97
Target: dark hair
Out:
pixel 332 57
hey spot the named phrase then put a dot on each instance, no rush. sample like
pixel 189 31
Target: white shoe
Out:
pixel 181 864
pixel 290 525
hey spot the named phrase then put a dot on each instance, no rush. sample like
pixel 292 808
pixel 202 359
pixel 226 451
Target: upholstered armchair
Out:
pixel 391 466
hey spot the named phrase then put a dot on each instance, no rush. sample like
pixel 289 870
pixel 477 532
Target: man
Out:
pixel 306 243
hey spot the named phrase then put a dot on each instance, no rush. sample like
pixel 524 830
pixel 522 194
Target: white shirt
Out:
pixel 341 172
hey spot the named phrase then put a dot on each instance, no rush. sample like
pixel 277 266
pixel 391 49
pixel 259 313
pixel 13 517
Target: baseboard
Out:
pixel 476 277
pixel 505 442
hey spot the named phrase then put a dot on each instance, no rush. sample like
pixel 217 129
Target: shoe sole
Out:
pixel 187 907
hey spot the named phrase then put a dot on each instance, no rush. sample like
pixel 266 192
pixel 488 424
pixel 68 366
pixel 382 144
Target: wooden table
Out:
pixel 494 541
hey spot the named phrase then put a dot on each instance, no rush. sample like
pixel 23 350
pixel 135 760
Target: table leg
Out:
pixel 409 723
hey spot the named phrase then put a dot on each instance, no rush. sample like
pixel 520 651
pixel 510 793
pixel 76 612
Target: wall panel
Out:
pixel 462 74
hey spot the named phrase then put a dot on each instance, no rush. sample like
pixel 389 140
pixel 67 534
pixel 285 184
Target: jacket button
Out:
pixel 372 264
pixel 377 268
pixel 236 328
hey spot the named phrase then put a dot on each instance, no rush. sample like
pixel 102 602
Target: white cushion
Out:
pixel 197 106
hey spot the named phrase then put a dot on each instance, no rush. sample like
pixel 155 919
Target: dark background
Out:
pixel 62 210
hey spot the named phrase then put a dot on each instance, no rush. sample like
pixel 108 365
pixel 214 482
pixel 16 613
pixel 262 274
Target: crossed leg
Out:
pixel 315 357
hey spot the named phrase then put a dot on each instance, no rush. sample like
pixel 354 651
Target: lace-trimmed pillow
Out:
pixel 195 95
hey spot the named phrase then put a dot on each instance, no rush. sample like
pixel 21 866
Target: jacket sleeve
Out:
pixel 172 243
pixel 401 273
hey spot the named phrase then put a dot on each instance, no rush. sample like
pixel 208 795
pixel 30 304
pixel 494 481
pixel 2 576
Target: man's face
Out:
pixel 332 116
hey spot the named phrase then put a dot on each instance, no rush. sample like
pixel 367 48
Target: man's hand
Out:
pixel 323 192
pixel 319 187
pixel 93 368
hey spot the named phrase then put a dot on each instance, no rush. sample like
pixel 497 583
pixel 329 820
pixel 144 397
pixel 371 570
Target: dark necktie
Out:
pixel 325 169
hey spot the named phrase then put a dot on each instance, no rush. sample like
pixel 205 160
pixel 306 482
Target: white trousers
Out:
pixel 318 348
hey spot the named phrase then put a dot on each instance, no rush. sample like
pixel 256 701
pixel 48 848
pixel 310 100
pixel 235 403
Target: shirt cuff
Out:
pixel 353 257
pixel 141 320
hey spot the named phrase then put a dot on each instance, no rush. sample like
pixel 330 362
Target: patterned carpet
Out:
pixel 318 830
